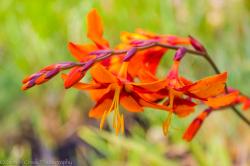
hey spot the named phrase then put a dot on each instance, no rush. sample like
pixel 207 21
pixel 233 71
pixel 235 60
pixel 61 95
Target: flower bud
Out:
pixel 29 84
pixel 76 74
pixel 130 54
pixel 180 53
pixel 196 44
pixel 195 125
pixel 52 73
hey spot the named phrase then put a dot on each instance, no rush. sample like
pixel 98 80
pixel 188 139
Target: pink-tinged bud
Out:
pixel 50 67
pixel 41 80
pixel 65 65
pixel 130 54
pixel 52 73
pixel 74 76
pixel 26 79
pixel 28 85
pixel 196 44
pixel 77 73
pixel 88 64
pixel 33 76
pixel 180 53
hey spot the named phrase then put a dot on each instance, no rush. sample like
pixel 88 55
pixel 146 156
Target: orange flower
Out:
pixel 126 76
pixel 178 87
pixel 109 91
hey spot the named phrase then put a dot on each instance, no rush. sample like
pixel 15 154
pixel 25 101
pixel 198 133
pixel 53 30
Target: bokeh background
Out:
pixel 49 123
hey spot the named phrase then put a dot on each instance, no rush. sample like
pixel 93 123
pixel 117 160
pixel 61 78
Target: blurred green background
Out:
pixel 48 123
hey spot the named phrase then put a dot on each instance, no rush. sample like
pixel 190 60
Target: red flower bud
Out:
pixel 130 54
pixel 28 85
pixel 180 53
pixel 41 80
pixel 195 125
pixel 50 67
pixel 33 76
pixel 52 73
pixel 77 73
pixel 196 44
pixel 74 76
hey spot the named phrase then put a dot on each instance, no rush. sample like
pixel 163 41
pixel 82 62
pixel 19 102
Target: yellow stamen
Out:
pixel 113 105
pixel 103 119
pixel 123 71
pixel 167 122
pixel 118 119
pixel 176 128
pixel 122 123
pixel 117 116
pixel 171 99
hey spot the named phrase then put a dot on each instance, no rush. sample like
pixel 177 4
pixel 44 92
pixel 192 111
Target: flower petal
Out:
pixel 151 86
pixel 183 107
pixel 102 75
pixel 208 87
pixel 96 94
pixel 81 52
pixel 148 104
pixel 146 76
pixel 95 29
pixel 223 100
pixel 102 105
pixel 130 104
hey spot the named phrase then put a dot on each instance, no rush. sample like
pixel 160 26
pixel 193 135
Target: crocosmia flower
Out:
pixel 126 75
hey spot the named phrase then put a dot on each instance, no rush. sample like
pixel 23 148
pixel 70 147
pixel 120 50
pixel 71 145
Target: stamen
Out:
pixel 103 119
pixel 171 99
pixel 118 123
pixel 166 123
pixel 118 119
pixel 123 71
pixel 107 112
pixel 122 123
pixel 117 116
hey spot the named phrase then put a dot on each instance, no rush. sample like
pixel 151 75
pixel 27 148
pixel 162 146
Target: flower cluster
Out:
pixel 126 76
